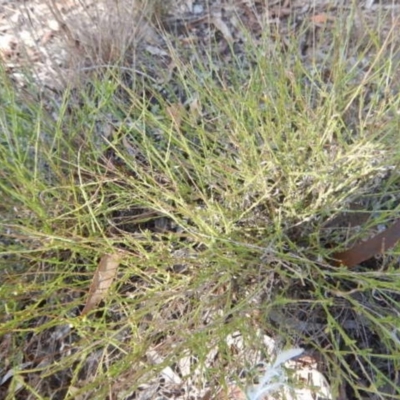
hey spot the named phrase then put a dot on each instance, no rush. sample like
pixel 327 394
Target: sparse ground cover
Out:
pixel 173 188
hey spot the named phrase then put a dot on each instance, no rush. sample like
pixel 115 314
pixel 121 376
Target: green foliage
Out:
pixel 219 200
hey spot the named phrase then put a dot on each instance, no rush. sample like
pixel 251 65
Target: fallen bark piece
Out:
pixel 370 248
pixel 102 280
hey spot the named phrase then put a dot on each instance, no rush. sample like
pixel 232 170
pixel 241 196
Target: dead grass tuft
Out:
pixel 109 32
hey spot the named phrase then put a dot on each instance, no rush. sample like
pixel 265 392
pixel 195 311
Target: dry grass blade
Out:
pixel 102 280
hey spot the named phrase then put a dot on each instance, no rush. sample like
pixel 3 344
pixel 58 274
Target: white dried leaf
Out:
pixel 13 371
pixel 167 373
pixel 156 51
pixel 286 356
pixel 274 378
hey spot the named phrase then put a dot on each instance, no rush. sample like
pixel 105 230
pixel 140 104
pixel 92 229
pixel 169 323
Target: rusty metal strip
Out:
pixel 370 248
